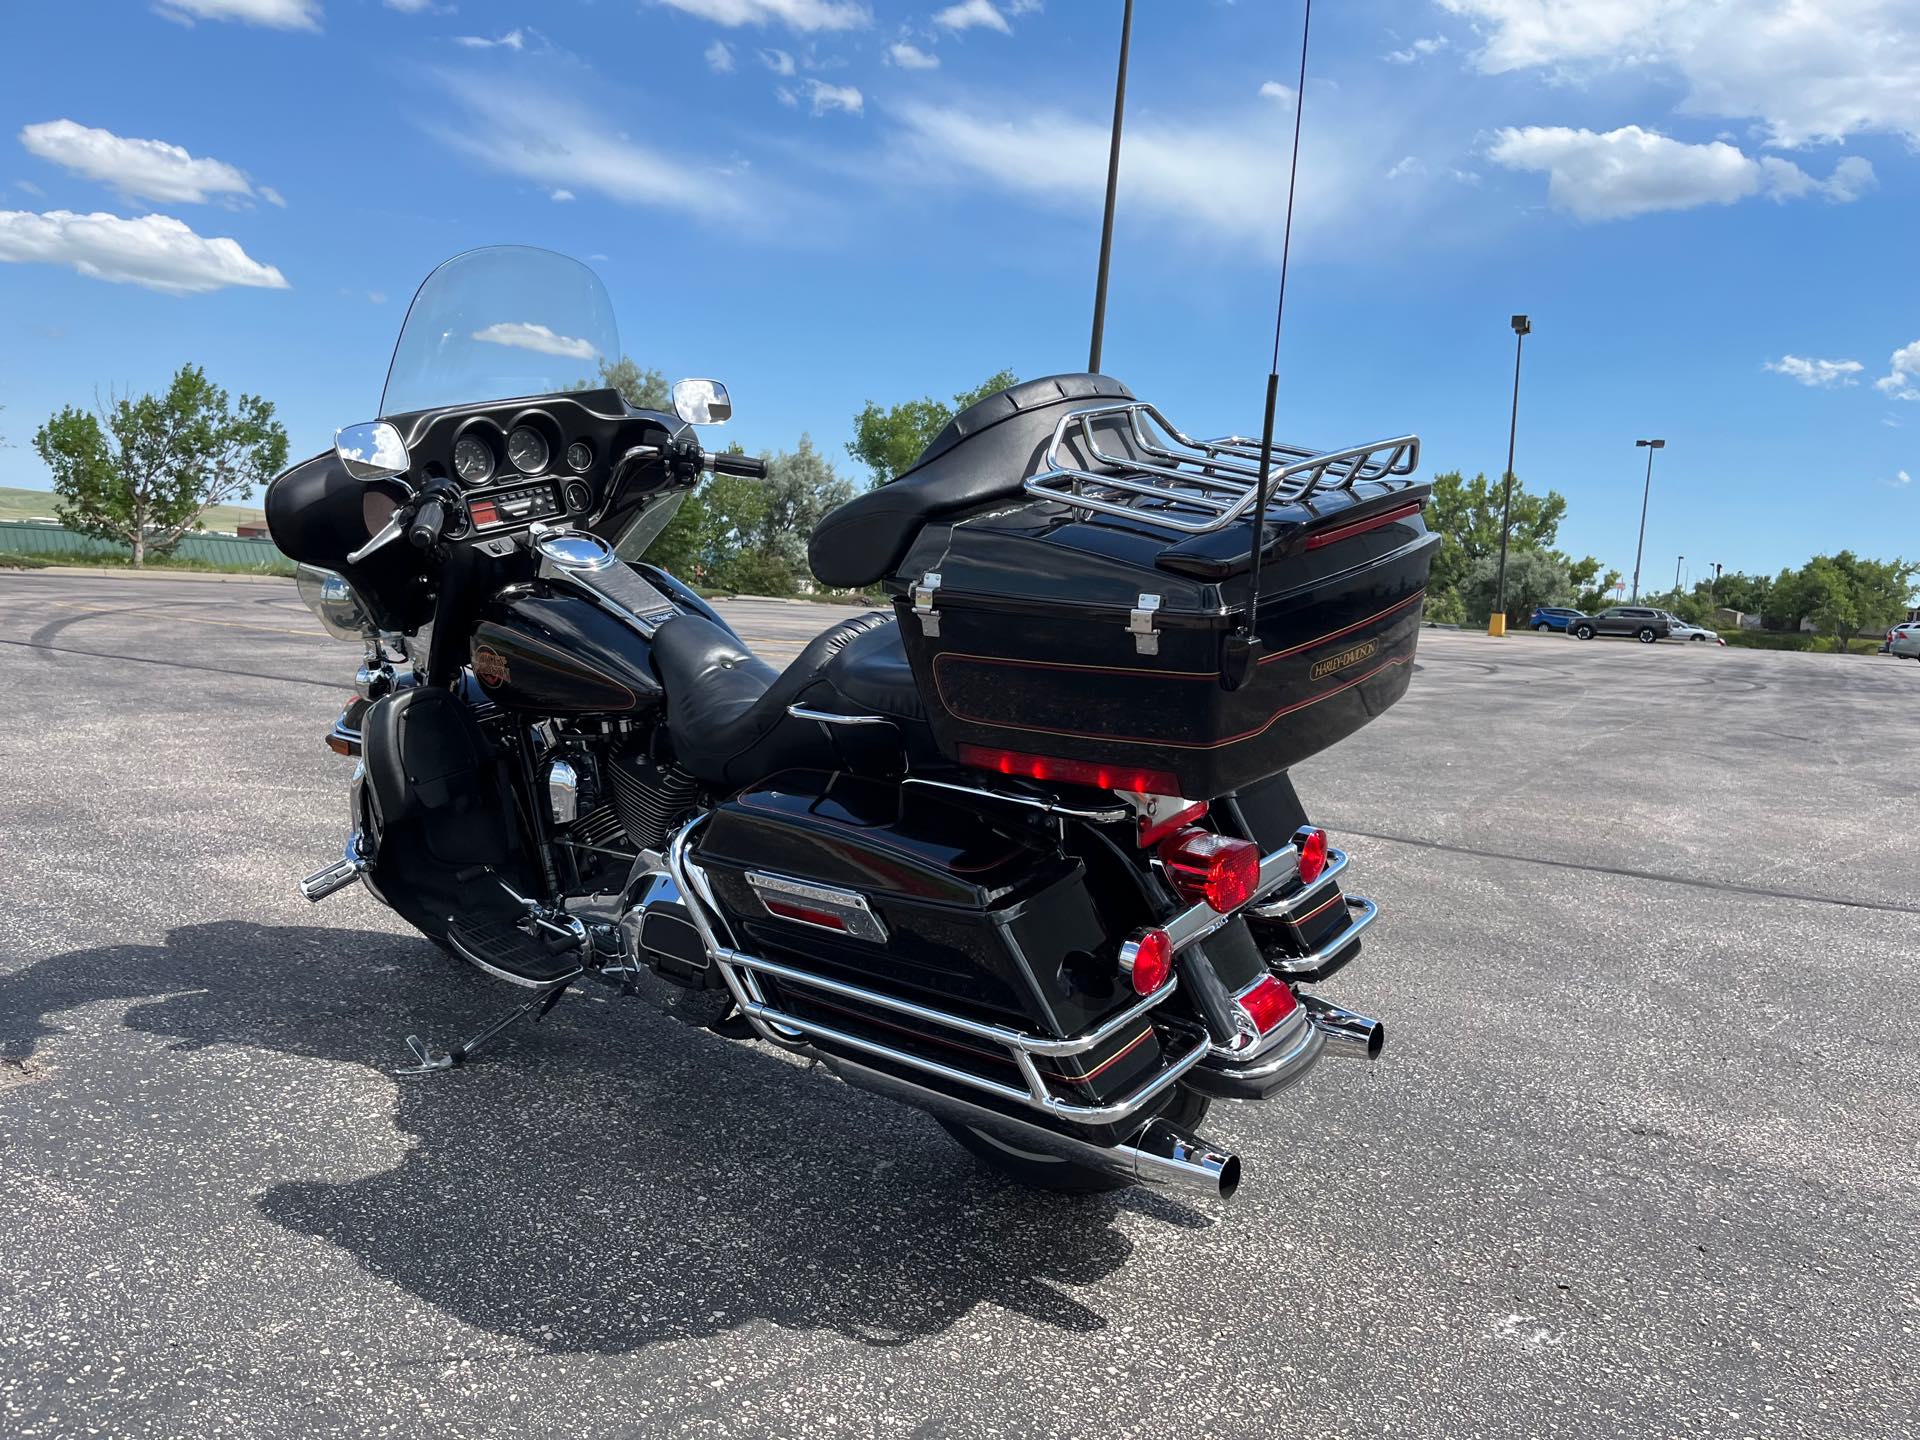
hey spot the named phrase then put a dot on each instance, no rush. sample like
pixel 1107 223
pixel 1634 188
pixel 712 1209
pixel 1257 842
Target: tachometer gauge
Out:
pixel 527 450
pixel 472 460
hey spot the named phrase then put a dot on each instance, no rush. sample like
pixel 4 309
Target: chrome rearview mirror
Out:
pixel 371 451
pixel 702 402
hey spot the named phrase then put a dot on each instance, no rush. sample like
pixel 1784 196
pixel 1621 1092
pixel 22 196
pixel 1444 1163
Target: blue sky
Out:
pixel 1707 206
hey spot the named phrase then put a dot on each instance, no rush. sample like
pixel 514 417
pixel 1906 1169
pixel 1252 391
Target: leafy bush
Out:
pixel 1792 640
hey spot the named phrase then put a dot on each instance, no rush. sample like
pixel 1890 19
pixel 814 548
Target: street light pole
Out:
pixel 1113 185
pixel 1713 590
pixel 1650 446
pixel 1679 560
pixel 1497 621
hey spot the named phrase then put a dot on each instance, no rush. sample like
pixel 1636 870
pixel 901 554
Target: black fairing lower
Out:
pixel 318 515
pixel 440 811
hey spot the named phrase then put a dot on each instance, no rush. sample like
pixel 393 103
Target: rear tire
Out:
pixel 1543 628
pixel 1038 1171
pixel 1645 635
pixel 1583 632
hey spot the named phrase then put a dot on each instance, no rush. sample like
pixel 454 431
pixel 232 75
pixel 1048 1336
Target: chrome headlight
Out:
pixel 333 603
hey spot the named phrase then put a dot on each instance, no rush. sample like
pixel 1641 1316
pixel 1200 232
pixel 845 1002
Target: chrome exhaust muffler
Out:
pixel 1160 1155
pixel 1349 1036
pixel 1169 1158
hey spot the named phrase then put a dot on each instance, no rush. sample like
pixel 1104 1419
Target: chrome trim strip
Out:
pixel 506 975
pixel 850 905
pixel 1295 1042
pixel 829 717
pixel 1110 816
pixel 1304 964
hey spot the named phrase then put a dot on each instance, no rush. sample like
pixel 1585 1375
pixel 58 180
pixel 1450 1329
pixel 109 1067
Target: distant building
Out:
pixel 252 530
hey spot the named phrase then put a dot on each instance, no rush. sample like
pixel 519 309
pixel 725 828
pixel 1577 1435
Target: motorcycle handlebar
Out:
pixel 428 521
pixel 750 467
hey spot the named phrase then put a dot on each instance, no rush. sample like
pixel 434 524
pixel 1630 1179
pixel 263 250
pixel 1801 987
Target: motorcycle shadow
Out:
pixel 611 1178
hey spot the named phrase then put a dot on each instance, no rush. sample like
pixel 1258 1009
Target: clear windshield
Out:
pixel 499 323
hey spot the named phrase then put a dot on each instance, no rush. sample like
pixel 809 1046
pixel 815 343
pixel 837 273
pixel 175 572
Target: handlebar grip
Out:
pixel 750 467
pixel 428 521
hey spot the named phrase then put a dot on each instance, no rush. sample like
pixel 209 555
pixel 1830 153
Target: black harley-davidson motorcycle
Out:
pixel 1021 851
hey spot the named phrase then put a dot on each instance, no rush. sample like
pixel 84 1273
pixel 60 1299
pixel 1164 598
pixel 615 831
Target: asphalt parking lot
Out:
pixel 1642 1157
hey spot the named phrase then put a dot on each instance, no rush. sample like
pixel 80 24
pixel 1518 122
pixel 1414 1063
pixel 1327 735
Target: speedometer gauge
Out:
pixel 527 450
pixel 472 460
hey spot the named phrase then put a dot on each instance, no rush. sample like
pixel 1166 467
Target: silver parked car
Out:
pixel 1904 639
pixel 1684 630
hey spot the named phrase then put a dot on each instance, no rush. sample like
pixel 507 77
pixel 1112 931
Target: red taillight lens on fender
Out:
pixel 1218 869
pixel 1147 960
pixel 1311 842
pixel 1268 1003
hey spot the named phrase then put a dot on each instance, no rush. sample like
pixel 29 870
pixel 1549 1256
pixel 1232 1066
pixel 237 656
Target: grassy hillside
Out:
pixel 16 504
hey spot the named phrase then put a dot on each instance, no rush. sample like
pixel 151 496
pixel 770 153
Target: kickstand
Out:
pixel 430 1060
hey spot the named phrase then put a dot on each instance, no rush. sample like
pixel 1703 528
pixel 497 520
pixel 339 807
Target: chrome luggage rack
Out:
pixel 1195 486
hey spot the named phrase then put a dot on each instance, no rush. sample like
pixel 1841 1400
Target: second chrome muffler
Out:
pixel 1349 1036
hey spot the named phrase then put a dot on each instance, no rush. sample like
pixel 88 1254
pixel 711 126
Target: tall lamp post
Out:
pixel 1650 446
pixel 1678 561
pixel 1113 185
pixel 1497 621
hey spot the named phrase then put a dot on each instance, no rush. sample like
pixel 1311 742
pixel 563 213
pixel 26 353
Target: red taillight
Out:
pixel 1267 1003
pixel 1069 772
pixel 1218 869
pixel 1360 527
pixel 1147 960
pixel 1311 842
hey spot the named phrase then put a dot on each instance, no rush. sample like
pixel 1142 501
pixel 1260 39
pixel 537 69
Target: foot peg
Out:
pixel 337 876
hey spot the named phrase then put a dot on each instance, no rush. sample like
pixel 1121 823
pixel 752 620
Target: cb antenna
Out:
pixel 1243 646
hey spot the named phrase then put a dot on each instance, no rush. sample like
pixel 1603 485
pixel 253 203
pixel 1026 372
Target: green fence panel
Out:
pixel 57 541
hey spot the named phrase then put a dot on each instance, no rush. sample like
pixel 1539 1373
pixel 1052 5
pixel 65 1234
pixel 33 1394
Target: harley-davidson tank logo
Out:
pixel 490 665
pixel 1334 664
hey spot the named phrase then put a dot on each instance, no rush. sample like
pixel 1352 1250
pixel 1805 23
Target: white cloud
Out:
pixel 1406 165
pixel 786 96
pixel 1280 94
pixel 972 14
pixel 1817 374
pixel 1901 477
pixel 794 14
pixel 275 14
pixel 1902 380
pixel 1613 174
pixel 911 57
pixel 377 297
pixel 29 187
pixel 156 251
pixel 1216 177
pixel 720 57
pixel 1807 70
pixel 273 196
pixel 522 335
pixel 420 7
pixel 827 97
pixel 1418 50
pixel 149 169
pixel 560 197
pixel 512 40
pixel 557 143
pixel 778 61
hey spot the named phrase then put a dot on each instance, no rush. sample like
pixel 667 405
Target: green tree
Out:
pixel 1591 590
pixel 644 389
pixel 1843 595
pixel 888 441
pixel 1534 577
pixel 142 470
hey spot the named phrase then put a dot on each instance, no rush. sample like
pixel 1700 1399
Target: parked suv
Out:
pixel 1551 617
pixel 1643 624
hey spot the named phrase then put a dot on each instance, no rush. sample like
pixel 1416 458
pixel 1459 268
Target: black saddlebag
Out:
pixel 1040 630
pixel 893 922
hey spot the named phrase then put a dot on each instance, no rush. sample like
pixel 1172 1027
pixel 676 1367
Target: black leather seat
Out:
pixel 984 455
pixel 727 708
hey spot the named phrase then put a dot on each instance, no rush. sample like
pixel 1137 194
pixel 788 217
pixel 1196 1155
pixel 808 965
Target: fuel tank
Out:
pixel 537 647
